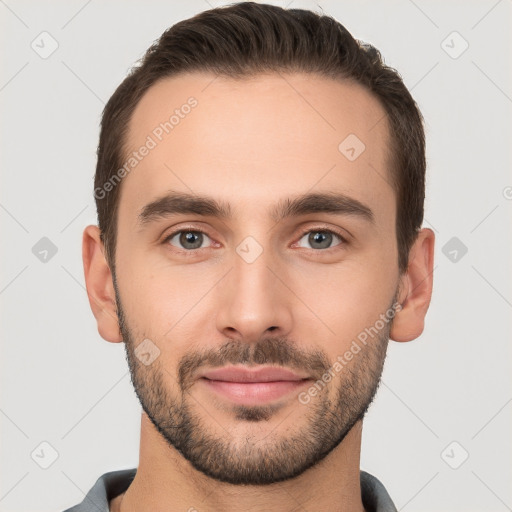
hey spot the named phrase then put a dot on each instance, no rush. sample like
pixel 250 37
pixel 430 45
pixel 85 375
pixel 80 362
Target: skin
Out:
pixel 313 301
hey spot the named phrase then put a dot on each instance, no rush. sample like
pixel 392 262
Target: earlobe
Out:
pixel 415 289
pixel 99 285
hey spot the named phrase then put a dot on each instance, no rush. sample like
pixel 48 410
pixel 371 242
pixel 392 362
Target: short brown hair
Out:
pixel 246 38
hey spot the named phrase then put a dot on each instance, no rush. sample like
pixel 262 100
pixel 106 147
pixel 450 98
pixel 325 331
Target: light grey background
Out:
pixel 63 385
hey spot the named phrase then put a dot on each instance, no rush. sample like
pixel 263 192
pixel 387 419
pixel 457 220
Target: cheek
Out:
pixel 162 301
pixel 343 301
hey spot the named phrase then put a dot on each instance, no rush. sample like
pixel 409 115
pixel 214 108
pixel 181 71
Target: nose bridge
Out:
pixel 251 273
pixel 253 299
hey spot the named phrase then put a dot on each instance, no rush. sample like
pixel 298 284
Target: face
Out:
pixel 249 238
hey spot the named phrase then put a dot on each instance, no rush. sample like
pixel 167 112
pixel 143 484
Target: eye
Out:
pixel 189 239
pixel 321 238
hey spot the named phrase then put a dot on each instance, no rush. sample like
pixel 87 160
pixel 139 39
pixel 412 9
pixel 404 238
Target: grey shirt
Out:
pixel 108 486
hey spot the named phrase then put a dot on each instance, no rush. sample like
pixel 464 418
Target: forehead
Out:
pixel 257 138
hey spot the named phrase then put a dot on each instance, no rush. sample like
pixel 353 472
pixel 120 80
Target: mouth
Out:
pixel 246 386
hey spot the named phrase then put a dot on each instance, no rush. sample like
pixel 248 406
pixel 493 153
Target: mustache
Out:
pixel 267 351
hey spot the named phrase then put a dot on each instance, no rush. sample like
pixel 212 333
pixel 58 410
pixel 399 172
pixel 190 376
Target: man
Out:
pixel 260 186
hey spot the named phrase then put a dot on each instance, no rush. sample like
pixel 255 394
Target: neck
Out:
pixel 166 480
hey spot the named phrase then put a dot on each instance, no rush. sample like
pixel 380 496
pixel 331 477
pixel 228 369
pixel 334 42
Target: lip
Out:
pixel 245 374
pixel 253 386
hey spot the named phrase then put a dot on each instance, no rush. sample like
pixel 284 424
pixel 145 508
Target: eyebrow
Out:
pixel 176 203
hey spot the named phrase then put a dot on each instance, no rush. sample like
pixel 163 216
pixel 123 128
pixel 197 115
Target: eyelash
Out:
pixel 320 229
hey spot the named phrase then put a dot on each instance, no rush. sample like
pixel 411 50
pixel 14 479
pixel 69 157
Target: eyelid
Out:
pixel 325 229
pixel 180 229
pixel 330 229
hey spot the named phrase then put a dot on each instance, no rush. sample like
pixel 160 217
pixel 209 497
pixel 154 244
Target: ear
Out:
pixel 99 284
pixel 415 289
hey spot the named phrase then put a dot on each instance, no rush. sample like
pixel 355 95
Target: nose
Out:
pixel 253 300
